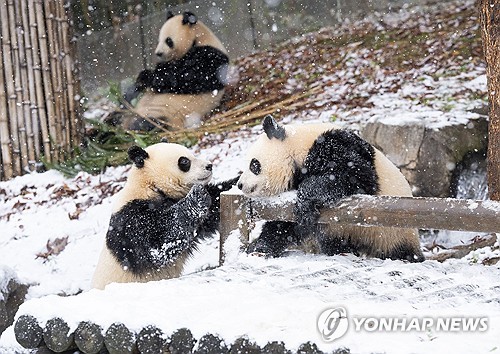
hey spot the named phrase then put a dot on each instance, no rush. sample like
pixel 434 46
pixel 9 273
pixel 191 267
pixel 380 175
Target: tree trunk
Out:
pixel 490 30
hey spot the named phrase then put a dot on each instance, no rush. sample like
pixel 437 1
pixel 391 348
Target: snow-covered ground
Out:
pixel 53 228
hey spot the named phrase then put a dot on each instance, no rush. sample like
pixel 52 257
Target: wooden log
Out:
pixel 275 348
pixel 233 216
pixel 211 344
pixel 118 339
pixel 401 212
pixel 89 338
pixel 308 348
pixel 243 345
pixel 150 340
pixel 57 335
pixel 28 332
pixel 181 341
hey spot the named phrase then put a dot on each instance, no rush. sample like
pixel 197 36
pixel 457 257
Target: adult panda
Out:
pixel 188 82
pixel 165 208
pixel 324 163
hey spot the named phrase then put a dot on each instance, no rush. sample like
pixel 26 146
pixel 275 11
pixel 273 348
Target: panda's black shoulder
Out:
pixel 140 207
pixel 205 57
pixel 338 144
pixel 342 153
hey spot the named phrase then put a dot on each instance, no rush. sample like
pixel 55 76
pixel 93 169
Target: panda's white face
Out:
pixel 276 156
pixel 269 169
pixel 175 38
pixel 171 169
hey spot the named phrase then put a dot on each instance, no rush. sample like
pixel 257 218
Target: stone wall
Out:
pixel 426 156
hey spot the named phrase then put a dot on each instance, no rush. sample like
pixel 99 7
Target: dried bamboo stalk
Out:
pixel 77 123
pixel 54 74
pixel 10 87
pixel 23 121
pixel 33 132
pixel 47 82
pixel 60 76
pixel 39 91
pixel 235 118
pixel 66 74
pixel 6 152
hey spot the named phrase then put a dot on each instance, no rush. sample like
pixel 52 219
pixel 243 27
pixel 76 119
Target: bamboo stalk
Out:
pixel 54 74
pixel 71 117
pixel 10 87
pixel 39 91
pixel 24 121
pixel 61 75
pixel 34 134
pixel 6 151
pixel 47 82
pixel 18 83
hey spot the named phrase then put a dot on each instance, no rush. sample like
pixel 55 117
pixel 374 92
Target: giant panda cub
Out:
pixel 165 208
pixel 323 164
pixel 189 80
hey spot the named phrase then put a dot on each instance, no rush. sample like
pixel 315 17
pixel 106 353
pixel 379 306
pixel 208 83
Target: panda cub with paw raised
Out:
pixel 324 164
pixel 165 208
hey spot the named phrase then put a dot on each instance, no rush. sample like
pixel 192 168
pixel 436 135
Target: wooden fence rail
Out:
pixel 238 212
pixel 39 86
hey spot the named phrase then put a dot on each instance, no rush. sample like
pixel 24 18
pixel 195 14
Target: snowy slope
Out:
pixel 265 299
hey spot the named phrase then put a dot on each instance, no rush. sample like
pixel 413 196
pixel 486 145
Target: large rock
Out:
pixel 12 295
pixel 428 156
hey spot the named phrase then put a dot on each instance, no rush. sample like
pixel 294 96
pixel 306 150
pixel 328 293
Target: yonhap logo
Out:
pixel 333 323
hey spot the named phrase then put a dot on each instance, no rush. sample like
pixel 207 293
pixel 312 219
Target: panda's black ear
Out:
pixel 189 18
pixel 273 129
pixel 170 14
pixel 137 155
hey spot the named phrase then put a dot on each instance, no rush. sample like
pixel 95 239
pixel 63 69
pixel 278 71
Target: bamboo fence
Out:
pixel 39 86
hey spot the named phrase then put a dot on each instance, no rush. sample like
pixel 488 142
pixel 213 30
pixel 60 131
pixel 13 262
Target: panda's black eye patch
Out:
pixel 184 164
pixel 255 167
pixel 169 42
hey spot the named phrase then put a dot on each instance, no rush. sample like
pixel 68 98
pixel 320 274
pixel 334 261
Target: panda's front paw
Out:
pixel 263 249
pixel 144 79
pixel 306 214
pixel 200 200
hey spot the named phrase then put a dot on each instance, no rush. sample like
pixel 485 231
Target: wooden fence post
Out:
pixel 233 216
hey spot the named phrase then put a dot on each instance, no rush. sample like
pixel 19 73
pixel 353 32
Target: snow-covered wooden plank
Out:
pixel 402 212
pixel 364 210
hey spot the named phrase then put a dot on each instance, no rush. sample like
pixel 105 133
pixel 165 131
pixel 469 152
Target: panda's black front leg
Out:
pixel 275 238
pixel 147 235
pixel 180 223
pixel 192 210
pixel 143 81
pixel 211 224
pixel 314 193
